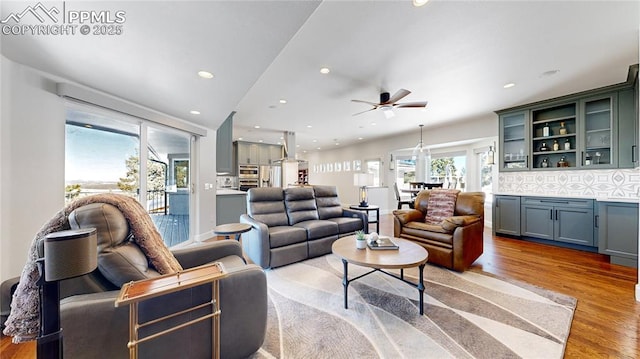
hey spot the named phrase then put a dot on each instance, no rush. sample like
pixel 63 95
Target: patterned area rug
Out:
pixel 467 315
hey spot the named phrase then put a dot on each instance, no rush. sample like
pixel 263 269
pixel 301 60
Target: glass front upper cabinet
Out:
pixel 598 131
pixel 514 150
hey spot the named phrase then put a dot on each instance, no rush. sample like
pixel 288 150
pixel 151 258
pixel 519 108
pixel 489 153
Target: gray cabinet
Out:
pixel 558 219
pixel 229 207
pixel 247 153
pixel 618 232
pixel 224 146
pixel 268 154
pixel 514 139
pixel 598 127
pixel 506 215
pixel 627 128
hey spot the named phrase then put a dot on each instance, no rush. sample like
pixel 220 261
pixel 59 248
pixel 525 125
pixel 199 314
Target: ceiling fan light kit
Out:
pixel 388 103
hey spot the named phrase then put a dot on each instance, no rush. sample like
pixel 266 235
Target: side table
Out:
pixel 368 209
pixel 228 229
pixel 133 293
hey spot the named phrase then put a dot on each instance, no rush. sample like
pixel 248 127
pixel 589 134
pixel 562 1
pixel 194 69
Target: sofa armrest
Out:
pixel 405 216
pixel 255 243
pixel 451 223
pixel 357 214
pixel 202 253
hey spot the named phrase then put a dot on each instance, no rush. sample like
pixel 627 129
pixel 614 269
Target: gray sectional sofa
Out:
pixel 293 224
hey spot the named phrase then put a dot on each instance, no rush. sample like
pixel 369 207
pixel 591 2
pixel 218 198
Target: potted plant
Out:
pixel 361 240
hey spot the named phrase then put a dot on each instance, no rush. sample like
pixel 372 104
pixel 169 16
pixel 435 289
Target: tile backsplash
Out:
pixel 618 183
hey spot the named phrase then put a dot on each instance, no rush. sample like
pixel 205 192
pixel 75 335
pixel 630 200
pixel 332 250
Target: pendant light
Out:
pixel 420 146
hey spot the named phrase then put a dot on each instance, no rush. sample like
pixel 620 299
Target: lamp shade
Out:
pixel 363 179
pixel 69 254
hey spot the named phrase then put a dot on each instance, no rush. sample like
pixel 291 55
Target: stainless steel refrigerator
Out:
pixel 270 176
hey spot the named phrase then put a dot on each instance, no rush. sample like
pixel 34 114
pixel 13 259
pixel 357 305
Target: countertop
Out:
pixel 227 192
pixel 599 199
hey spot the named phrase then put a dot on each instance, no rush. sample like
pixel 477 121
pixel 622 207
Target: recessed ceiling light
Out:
pixel 360 138
pixel 373 123
pixel 88 126
pixel 194 112
pixel 279 143
pixel 256 126
pixel 282 138
pixel 317 148
pixel 283 101
pixel 325 70
pixel 309 126
pixel 315 141
pixel 260 140
pixel 418 3
pixel 337 143
pixel 509 85
pixel 205 74
pixel 305 151
pixel 297 145
pixel 239 138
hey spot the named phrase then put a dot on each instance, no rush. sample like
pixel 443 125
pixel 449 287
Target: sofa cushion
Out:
pixel 427 227
pixel 327 201
pixel 441 205
pixel 318 228
pixel 347 224
pixel 300 204
pixel 266 205
pixel 420 232
pixel 285 235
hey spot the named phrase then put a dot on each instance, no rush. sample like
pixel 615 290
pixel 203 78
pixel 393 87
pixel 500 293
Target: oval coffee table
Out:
pixel 407 255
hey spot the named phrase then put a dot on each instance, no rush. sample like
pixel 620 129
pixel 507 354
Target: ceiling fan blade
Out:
pixel 367 102
pixel 359 113
pixel 412 104
pixel 398 96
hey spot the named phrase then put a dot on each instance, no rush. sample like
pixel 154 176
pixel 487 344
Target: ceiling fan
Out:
pixel 388 103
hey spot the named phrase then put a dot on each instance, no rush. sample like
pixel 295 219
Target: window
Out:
pixel 373 167
pixel 181 173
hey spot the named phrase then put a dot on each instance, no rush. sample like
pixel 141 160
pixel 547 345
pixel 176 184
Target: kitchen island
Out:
pixel 230 204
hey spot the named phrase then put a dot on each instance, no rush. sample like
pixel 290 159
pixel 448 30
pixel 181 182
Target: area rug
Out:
pixel 466 315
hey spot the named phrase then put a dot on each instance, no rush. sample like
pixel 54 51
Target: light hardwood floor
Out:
pixel 606 322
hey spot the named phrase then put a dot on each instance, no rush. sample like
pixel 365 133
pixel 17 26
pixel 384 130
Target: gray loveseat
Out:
pixel 293 224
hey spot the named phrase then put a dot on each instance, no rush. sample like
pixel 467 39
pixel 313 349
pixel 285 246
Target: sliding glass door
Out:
pixel 103 154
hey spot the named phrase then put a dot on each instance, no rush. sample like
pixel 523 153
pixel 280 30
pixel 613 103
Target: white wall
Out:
pixel 485 130
pixel 32 155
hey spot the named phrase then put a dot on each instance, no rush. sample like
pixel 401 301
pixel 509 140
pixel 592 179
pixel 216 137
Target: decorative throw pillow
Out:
pixel 440 205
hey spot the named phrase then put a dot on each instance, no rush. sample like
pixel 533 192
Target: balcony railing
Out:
pixel 156 202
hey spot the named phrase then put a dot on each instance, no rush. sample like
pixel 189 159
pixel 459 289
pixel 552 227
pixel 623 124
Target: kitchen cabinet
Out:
pixel 230 204
pixel 595 129
pixel 567 220
pixel 506 215
pixel 257 153
pixel 598 131
pixel 224 146
pixel 628 128
pixel 247 153
pixel 617 225
pixel 514 136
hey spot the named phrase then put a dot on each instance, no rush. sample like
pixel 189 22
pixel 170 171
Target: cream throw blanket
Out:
pixel 24 321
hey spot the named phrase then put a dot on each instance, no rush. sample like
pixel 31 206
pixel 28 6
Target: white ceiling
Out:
pixel 455 54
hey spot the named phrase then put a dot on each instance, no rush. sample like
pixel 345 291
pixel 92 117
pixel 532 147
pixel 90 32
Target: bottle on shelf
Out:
pixel 563 162
pixel 546 130
pixel 544 147
pixel 556 145
pixel 587 159
pixel 563 130
pixel 567 144
pixel 545 163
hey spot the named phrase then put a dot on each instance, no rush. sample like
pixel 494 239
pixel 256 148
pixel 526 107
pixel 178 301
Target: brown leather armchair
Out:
pixel 455 243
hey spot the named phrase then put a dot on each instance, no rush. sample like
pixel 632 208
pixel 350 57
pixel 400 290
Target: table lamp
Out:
pixel 67 254
pixel 363 180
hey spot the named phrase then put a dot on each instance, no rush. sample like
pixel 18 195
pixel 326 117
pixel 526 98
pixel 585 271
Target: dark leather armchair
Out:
pixel 94 328
pixel 455 243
